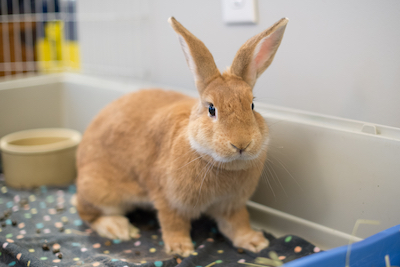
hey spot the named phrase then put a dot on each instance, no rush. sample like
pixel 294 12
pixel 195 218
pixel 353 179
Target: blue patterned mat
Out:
pixel 41 228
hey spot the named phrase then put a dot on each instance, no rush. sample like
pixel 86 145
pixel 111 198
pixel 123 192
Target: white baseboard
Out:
pixel 280 223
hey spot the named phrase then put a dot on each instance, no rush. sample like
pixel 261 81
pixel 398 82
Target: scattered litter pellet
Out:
pixel 297 249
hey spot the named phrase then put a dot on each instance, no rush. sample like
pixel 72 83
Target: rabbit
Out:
pixel 180 155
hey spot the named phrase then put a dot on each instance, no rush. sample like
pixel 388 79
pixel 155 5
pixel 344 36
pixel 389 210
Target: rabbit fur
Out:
pixel 168 150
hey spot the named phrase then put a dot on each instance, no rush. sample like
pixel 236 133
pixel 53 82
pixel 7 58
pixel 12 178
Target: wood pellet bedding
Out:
pixel 41 228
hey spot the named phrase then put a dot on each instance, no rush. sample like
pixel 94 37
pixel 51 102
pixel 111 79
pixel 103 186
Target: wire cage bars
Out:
pixel 100 37
pixel 38 36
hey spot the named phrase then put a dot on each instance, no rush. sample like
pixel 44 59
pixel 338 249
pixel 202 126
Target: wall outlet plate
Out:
pixel 239 11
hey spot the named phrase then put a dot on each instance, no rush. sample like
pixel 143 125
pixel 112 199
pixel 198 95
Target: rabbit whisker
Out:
pixel 272 168
pixel 218 166
pixel 265 178
pixel 184 155
pixel 274 175
pixel 276 122
pixel 209 166
pixel 190 162
pixel 286 169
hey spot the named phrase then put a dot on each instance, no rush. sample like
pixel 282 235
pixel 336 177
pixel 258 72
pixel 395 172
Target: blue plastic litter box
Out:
pixel 370 252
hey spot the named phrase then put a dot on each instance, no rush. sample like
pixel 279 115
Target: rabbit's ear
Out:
pixel 254 57
pixel 198 58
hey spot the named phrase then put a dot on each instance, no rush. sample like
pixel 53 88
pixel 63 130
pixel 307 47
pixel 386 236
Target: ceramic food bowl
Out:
pixel 39 157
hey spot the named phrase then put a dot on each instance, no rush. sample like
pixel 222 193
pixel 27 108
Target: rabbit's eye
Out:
pixel 211 110
pixel 252 106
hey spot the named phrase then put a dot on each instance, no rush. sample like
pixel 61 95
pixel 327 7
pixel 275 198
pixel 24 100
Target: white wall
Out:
pixel 338 58
pixel 112 37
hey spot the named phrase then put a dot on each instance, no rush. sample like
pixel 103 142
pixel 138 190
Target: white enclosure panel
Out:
pixel 84 97
pixel 280 223
pixel 30 103
pixel 327 171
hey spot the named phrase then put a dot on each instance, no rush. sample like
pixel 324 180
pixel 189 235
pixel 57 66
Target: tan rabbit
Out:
pixel 182 155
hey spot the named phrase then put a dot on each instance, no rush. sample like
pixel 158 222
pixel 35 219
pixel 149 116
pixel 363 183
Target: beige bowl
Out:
pixel 39 157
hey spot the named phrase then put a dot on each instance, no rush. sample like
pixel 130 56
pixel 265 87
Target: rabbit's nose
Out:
pixel 240 147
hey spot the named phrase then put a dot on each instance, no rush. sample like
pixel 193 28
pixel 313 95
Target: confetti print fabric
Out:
pixel 40 228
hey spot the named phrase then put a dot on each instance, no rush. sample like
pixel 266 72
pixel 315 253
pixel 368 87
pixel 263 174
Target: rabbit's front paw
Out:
pixel 253 241
pixel 181 245
pixel 115 227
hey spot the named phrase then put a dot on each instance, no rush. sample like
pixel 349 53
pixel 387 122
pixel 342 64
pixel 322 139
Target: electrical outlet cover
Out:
pixel 239 11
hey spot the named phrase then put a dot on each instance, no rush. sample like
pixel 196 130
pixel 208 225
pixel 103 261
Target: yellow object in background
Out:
pixel 55 53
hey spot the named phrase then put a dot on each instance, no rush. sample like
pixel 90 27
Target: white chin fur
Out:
pixel 203 150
